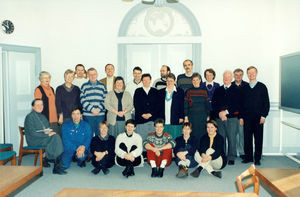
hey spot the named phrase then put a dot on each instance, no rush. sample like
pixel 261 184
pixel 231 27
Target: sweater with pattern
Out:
pixel 159 141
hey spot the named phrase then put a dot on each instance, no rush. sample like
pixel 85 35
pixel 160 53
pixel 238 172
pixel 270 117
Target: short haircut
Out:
pixel 196 75
pixel 75 108
pixel 35 100
pixel 146 75
pixel 44 73
pixel 108 65
pixel 91 69
pixel 189 61
pixel 130 121
pixel 171 75
pixel 104 123
pixel 212 122
pixel 69 71
pixel 119 78
pixel 187 124
pixel 137 68
pixel 168 68
pixel 210 70
pixel 79 65
pixel 159 121
pixel 238 70
pixel 250 67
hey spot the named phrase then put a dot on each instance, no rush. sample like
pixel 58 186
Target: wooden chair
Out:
pixel 29 149
pixel 252 180
pixel 6 147
pixel 5 156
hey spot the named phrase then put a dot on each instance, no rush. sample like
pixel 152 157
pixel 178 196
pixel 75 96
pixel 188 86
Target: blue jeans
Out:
pixel 94 123
pixel 67 158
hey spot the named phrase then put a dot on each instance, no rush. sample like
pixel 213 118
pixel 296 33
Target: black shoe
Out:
pixel 154 172
pixel 57 170
pixel 246 161
pixel 196 172
pixel 243 157
pixel 105 171
pixel 96 171
pixel 231 162
pixel 126 171
pixel 131 172
pixel 217 174
pixel 45 162
pixel 257 163
pixel 160 172
pixel 82 164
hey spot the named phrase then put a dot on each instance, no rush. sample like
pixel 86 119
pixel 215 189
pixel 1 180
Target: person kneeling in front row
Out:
pixel 103 150
pixel 129 148
pixel 210 155
pixel 159 149
pixel 76 135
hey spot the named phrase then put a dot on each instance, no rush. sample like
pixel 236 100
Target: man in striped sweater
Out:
pixel 92 96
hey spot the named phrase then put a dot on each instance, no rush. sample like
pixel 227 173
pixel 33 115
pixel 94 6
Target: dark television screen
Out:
pixel 290 82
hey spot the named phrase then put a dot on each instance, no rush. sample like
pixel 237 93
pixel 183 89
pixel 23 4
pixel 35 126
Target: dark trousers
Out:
pixel 124 162
pixel 253 128
pixel 106 162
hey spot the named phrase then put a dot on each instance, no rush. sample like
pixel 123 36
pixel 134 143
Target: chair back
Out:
pixel 252 180
pixel 22 133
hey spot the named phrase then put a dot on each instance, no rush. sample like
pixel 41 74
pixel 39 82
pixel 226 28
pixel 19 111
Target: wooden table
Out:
pixel 76 192
pixel 13 177
pixel 282 181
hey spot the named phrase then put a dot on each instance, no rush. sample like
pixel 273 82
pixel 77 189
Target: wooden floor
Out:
pixel 75 192
pixel 13 177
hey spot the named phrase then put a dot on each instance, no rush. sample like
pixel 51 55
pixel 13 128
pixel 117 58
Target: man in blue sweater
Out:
pixel 92 97
pixel 76 135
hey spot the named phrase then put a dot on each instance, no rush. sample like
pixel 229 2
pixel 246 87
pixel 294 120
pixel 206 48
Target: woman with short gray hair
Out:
pixel 45 92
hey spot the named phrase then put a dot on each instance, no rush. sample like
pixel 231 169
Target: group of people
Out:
pixel 200 124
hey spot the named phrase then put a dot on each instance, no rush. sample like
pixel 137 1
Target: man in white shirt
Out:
pixel 136 82
pixel 80 76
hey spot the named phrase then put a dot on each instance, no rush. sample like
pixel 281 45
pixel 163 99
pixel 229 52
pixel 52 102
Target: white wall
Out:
pixel 235 33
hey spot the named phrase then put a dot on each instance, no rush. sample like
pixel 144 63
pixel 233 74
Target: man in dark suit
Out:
pixel 255 109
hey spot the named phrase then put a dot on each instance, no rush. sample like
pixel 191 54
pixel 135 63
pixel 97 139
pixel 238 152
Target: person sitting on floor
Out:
pixel 159 146
pixel 129 148
pixel 184 150
pixel 102 148
pixel 210 155
pixel 77 135
pixel 38 133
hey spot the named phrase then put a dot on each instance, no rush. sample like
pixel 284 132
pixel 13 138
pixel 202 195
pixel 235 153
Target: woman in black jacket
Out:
pixel 210 155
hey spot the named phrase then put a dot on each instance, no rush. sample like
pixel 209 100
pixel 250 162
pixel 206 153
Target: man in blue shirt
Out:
pixel 76 135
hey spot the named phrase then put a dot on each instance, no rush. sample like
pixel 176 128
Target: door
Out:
pixel 150 57
pixel 21 66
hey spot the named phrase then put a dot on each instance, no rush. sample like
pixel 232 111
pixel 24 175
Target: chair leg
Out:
pixel 20 158
pixel 13 161
pixel 35 158
pixel 41 157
